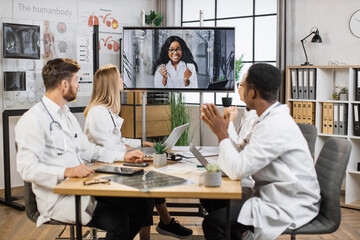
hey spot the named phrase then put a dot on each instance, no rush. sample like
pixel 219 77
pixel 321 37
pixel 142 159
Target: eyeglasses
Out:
pixel 175 50
pixel 96 181
pixel 239 84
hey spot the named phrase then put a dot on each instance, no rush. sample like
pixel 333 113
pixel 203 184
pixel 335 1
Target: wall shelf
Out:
pixel 327 78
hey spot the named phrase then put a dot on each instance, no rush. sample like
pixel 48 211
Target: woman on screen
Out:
pixel 102 127
pixel 175 67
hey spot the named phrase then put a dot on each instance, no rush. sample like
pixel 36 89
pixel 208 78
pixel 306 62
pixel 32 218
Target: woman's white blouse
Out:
pixel 100 129
pixel 176 76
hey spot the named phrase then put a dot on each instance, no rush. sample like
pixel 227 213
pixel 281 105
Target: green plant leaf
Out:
pixel 158 19
pixel 179 116
pixel 148 19
pixel 213 167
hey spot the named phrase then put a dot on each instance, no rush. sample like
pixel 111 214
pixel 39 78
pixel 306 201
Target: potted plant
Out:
pixel 238 67
pixel 343 94
pixel 335 96
pixel 153 18
pixel 226 101
pixel 180 115
pixel 159 157
pixel 212 175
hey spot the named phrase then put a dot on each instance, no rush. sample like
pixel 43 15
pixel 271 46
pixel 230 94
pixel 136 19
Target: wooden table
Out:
pixel 74 186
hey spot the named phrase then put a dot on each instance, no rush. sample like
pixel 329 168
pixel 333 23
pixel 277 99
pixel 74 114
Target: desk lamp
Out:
pixel 315 39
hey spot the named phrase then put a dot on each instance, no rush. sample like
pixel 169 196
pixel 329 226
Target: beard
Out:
pixel 70 95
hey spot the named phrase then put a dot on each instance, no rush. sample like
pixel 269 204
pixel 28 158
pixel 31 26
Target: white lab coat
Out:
pixel 246 126
pixel 287 192
pixel 99 128
pixel 176 76
pixel 38 162
pixel 241 137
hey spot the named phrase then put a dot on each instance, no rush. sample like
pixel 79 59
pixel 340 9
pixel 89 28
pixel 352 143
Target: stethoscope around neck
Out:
pixel 52 125
pixel 115 130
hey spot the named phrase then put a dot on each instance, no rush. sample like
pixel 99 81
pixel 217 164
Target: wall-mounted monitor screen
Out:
pixel 21 41
pixel 179 58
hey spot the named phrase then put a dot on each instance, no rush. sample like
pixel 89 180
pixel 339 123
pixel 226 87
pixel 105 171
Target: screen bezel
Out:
pixel 175 89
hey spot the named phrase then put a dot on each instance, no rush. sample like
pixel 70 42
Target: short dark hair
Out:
pixel 266 79
pixel 58 69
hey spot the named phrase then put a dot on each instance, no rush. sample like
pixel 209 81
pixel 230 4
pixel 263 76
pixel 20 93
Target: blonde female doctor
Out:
pixel 102 127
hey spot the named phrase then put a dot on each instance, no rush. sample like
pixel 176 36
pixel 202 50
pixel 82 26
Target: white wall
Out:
pixel 6 7
pixel 332 19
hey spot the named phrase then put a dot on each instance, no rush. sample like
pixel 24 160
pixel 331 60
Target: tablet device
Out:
pixel 119 170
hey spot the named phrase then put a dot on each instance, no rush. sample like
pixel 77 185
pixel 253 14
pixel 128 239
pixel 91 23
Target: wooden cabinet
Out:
pixel 328 79
pixel 157 120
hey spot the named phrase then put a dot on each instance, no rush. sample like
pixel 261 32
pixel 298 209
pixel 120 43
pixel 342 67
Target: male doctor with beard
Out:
pixel 286 192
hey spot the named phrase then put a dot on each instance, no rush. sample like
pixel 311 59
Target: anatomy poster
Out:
pixel 110 20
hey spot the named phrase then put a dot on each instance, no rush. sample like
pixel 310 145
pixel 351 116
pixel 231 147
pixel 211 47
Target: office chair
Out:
pixel 33 214
pixel 330 169
pixel 310 133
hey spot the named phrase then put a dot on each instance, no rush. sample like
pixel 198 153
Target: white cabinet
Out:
pixel 329 79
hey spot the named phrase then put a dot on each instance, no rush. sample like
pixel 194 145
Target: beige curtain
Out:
pixel 161 7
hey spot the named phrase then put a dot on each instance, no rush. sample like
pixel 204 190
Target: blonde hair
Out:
pixel 106 91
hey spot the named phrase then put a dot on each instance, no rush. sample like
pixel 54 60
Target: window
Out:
pixel 255 29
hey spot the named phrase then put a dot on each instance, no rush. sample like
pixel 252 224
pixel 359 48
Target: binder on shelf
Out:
pixel 356 120
pixel 303 112
pixel 294 84
pixel 330 115
pixel 306 84
pixel 299 112
pixel 357 89
pixel 342 119
pixel 312 84
pixel 325 119
pixel 301 83
pixel 336 118
pixel 294 111
pixel 310 113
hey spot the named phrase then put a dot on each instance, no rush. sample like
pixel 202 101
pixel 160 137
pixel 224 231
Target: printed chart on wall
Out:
pixel 110 20
pixel 84 58
pixel 58 28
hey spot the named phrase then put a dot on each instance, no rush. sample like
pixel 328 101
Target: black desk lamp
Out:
pixel 315 39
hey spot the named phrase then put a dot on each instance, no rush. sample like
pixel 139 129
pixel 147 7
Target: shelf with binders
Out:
pixel 327 80
pixel 302 100
pixel 333 118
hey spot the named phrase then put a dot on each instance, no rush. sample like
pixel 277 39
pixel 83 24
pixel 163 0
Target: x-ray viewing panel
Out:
pixel 21 41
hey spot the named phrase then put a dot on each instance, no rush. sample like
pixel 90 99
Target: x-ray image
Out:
pixel 15 81
pixel 21 41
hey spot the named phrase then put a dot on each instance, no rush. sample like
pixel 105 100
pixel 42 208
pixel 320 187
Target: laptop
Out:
pixel 198 155
pixel 201 158
pixel 170 141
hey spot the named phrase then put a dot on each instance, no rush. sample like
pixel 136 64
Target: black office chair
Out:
pixel 310 133
pixel 330 168
pixel 33 214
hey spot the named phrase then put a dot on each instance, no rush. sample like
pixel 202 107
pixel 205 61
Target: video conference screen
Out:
pixel 179 59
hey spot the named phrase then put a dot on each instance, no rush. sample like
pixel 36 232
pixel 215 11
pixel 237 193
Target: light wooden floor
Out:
pixel 14 225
